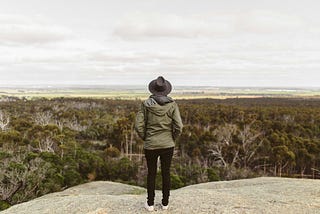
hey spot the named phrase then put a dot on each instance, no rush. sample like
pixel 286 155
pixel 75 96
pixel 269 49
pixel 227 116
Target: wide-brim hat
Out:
pixel 160 86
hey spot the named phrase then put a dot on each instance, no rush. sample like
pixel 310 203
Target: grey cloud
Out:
pixel 53 59
pixel 264 21
pixel 217 73
pixel 132 57
pixel 23 30
pixel 152 25
pixel 251 60
pixel 170 25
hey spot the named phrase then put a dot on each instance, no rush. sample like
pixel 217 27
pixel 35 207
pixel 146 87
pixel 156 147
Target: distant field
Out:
pixel 140 93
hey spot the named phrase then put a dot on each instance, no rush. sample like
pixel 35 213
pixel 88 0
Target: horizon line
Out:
pixel 93 86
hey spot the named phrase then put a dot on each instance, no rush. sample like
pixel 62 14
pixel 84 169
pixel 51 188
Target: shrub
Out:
pixel 213 174
pixel 123 169
pixel 4 205
pixel 72 177
pixel 176 181
pixel 112 152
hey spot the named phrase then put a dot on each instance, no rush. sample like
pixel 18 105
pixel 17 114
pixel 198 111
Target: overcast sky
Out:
pixel 190 42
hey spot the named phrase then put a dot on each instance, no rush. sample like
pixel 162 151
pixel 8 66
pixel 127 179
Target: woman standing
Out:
pixel 158 123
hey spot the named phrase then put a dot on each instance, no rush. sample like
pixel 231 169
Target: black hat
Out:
pixel 160 86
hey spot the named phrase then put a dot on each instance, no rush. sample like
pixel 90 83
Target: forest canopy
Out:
pixel 48 145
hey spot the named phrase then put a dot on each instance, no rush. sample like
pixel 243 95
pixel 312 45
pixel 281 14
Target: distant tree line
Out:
pixel 49 145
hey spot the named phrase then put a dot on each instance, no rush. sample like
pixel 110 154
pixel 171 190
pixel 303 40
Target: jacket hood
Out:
pixel 162 100
pixel 158 105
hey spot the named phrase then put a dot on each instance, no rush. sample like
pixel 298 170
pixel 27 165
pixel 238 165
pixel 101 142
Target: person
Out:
pixel 158 123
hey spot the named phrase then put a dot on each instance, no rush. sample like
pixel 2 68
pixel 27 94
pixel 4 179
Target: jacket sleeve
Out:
pixel 176 123
pixel 140 122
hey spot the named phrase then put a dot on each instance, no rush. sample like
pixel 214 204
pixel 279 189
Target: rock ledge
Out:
pixel 257 195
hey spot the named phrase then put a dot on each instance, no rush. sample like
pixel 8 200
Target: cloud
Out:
pixel 138 25
pixel 264 21
pixel 250 48
pixel 154 25
pixel 26 30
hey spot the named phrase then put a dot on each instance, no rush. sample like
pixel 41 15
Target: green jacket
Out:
pixel 158 124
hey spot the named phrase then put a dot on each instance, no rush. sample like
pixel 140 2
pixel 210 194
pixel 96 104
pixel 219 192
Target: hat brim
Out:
pixel 152 88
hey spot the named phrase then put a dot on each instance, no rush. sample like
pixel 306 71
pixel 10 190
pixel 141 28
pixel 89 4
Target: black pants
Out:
pixel 165 159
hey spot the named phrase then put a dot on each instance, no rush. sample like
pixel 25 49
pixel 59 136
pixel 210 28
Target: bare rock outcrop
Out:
pixel 257 195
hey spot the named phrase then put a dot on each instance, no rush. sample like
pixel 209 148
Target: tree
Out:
pixel 20 179
pixel 283 156
pixel 4 121
pixel 43 118
pixel 223 151
pixel 250 140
